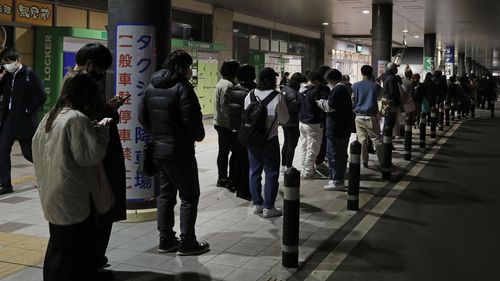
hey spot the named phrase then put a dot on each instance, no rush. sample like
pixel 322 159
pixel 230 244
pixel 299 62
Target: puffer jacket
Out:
pixel 237 96
pixel 171 113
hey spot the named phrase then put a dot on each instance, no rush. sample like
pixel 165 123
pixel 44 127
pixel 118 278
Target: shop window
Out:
pixel 264 44
pixel 275 46
pixel 283 47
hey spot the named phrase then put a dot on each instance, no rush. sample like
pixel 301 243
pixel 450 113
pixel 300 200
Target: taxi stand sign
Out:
pixel 134 67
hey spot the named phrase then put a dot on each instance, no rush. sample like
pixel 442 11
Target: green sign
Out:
pixel 178 43
pixel 428 64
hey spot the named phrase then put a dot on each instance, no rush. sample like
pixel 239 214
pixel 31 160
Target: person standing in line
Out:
pixel 311 124
pixel 291 128
pixel 171 113
pixel 68 151
pixel 246 78
pixel 321 167
pixel 284 81
pixel 95 59
pixel 339 126
pixel 366 94
pixel 21 97
pixel 228 139
pixel 391 95
pixel 417 96
pixel 267 157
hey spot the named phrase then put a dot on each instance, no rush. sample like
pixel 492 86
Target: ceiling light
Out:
pixel 366 12
pixel 253 36
pixel 325 23
pixel 416 36
pixel 405 30
pixel 236 30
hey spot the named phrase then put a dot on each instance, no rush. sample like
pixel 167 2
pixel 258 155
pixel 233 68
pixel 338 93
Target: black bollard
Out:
pixel 452 113
pixel 492 108
pixel 441 117
pixel 354 176
pixel 434 118
pixel 446 114
pixel 459 110
pixel 408 139
pixel 472 108
pixel 291 215
pixel 387 154
pixel 423 121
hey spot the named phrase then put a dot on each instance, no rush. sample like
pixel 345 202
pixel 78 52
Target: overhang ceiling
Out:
pixel 472 26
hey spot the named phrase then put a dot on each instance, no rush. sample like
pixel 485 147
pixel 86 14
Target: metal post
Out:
pixel 387 154
pixel 423 128
pixel 434 118
pixel 291 214
pixel 446 114
pixel 441 117
pixel 408 138
pixel 354 176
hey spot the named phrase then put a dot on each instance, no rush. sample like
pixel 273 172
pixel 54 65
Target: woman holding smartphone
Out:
pixel 68 150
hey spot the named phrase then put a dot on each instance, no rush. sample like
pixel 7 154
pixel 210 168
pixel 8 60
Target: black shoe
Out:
pixel 105 275
pixel 197 248
pixel 244 196
pixel 103 263
pixel 231 186
pixel 168 246
pixel 5 190
pixel 221 183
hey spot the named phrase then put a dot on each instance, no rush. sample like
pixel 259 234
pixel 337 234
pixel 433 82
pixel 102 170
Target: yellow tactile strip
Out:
pixel 24 179
pixel 18 252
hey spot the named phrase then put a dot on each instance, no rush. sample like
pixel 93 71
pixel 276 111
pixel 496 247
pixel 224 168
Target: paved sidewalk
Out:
pixel 244 246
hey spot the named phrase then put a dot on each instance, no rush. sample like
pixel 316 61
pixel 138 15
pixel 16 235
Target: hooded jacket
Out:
pixel 309 112
pixel 171 113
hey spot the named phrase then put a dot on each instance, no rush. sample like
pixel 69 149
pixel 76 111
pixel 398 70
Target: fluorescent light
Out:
pixel 405 30
pixel 366 12
pixel 325 23
pixel 416 36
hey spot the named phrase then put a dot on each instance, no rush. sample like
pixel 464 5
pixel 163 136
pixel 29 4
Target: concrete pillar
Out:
pixel 468 65
pixel 461 64
pixel 381 36
pixel 222 32
pixel 327 42
pixel 139 41
pixel 429 52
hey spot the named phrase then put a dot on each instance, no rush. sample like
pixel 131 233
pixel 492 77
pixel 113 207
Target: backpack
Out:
pixel 252 130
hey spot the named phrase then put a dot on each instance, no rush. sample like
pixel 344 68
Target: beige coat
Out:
pixel 68 167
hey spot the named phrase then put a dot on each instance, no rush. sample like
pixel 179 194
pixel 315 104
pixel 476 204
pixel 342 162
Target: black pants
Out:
pixel 322 151
pixel 228 142
pixel 179 175
pixel 292 135
pixel 70 253
pixel 103 234
pixel 242 168
pixel 6 143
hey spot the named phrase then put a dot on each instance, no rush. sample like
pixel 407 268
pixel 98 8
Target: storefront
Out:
pixel 348 58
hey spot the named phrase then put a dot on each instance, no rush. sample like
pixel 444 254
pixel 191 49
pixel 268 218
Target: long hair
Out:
pixel 79 92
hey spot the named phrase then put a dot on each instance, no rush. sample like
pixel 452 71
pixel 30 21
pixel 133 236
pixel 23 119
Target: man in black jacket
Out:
pixel 171 113
pixel 21 97
pixel 391 94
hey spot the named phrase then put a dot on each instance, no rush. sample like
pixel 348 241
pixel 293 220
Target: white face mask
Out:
pixel 11 67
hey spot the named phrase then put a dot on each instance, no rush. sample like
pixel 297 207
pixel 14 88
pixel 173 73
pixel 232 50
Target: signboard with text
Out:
pixel 35 13
pixel 449 59
pixel 134 67
pixel 428 64
pixel 6 10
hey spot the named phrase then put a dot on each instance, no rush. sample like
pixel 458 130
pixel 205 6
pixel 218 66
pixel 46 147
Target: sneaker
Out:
pixel 283 169
pixel 197 248
pixel 6 190
pixel 168 246
pixel 271 213
pixel 257 209
pixel 221 183
pixel 231 186
pixel 331 186
pixel 313 176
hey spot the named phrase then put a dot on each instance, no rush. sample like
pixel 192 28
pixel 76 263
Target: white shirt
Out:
pixel 277 111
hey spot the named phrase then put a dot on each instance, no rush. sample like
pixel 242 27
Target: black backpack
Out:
pixel 252 130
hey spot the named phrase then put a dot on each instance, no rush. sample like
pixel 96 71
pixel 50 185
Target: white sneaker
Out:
pixel 313 176
pixel 273 212
pixel 331 186
pixel 257 209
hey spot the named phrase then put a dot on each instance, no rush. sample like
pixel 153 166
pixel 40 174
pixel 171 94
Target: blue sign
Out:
pixel 449 54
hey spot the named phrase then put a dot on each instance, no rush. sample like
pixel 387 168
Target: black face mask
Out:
pixel 96 75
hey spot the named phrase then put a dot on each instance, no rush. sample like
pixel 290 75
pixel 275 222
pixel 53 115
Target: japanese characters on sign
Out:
pixel 134 68
pixel 6 10
pixel 449 56
pixel 34 12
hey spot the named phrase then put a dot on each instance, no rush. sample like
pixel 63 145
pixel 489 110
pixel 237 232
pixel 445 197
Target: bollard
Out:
pixel 441 117
pixel 492 108
pixel 408 139
pixel 387 154
pixel 452 113
pixel 433 122
pixel 423 121
pixel 291 214
pixel 354 176
pixel 446 114
pixel 459 110
pixel 472 108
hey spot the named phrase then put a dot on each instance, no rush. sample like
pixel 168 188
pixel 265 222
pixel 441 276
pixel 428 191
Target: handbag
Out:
pixel 386 108
pixel 147 166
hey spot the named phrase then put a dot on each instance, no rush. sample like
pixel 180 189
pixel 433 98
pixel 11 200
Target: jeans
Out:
pixel 292 135
pixel 311 136
pixel 265 158
pixel 6 143
pixel 336 151
pixel 179 175
pixel 228 142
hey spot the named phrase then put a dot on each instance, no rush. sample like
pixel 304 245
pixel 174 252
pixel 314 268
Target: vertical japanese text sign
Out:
pixel 134 67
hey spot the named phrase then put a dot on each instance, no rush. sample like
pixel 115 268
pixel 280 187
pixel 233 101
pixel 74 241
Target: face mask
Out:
pixel 11 67
pixel 96 75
